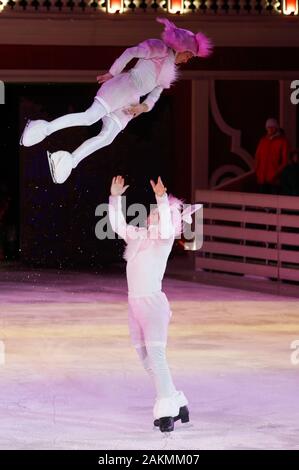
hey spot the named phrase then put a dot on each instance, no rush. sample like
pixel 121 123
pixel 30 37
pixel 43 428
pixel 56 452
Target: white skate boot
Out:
pixel 34 132
pixel 169 410
pixel 61 165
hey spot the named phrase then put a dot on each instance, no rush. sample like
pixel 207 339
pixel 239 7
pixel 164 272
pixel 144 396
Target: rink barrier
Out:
pixel 250 235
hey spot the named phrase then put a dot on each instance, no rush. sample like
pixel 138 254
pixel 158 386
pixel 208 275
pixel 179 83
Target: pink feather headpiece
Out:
pixel 184 40
pixel 175 205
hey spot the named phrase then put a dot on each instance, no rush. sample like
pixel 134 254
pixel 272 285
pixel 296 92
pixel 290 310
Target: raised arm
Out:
pixel 166 227
pixel 148 49
pixel 116 217
pixel 118 223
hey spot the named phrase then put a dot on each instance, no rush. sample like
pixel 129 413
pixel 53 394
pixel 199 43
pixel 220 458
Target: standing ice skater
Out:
pixel 118 99
pixel 146 253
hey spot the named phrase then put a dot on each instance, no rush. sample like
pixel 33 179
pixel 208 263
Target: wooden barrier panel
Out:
pixel 249 234
pixel 235 267
pixel 254 217
pixel 237 233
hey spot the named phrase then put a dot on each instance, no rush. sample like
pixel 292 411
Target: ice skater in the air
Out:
pixel 118 99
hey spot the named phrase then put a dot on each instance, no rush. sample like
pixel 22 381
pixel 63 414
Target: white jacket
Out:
pixel 154 71
pixel 147 249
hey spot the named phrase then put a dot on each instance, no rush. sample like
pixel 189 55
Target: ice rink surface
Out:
pixel 71 380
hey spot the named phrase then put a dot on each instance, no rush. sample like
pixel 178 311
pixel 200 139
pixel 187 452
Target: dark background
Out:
pixel 53 225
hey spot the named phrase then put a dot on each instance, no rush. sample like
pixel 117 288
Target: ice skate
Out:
pixel 183 416
pixel 34 132
pixel 166 424
pixel 177 401
pixel 166 409
pixel 61 165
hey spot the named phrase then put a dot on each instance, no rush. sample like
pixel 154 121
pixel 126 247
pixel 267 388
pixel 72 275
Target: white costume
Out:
pixel 146 253
pixel 154 71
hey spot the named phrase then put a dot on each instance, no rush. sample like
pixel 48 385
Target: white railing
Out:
pixel 252 235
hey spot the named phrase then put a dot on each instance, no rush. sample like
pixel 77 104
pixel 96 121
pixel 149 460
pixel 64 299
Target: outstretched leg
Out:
pixel 86 118
pixel 61 162
pixel 109 131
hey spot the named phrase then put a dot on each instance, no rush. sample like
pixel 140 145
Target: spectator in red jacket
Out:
pixel 270 158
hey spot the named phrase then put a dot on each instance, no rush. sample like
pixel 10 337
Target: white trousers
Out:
pixel 113 97
pixel 148 324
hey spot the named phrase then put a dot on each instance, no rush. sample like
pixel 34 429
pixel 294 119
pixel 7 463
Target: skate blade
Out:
pixel 27 124
pixel 51 166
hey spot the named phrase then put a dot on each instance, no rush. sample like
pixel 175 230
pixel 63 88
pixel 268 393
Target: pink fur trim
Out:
pixel 204 45
pixel 169 73
pixel 176 205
